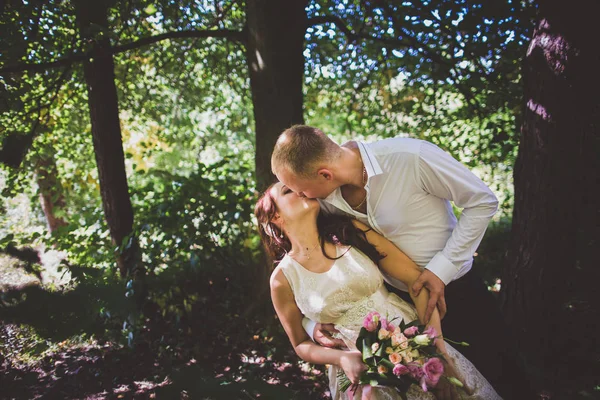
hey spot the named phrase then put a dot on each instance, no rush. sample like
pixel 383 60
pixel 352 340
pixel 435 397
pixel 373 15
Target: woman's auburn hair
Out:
pixel 332 228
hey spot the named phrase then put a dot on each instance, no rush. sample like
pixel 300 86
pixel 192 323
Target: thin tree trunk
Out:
pixel 275 59
pixel 549 284
pixel 51 194
pixel 106 132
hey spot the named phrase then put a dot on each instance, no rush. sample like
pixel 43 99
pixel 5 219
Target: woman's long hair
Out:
pixel 336 229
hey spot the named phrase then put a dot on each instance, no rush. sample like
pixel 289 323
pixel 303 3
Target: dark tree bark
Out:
pixel 106 130
pixel 550 281
pixel 52 197
pixel 275 59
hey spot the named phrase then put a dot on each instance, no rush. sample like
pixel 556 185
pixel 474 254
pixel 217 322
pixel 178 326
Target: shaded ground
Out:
pixel 107 371
pixel 254 367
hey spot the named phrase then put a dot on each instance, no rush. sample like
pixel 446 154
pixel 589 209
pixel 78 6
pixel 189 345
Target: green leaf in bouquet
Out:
pixel 363 332
pixel 380 351
pixel 385 343
pixel 366 349
pixel 387 363
pixel 371 378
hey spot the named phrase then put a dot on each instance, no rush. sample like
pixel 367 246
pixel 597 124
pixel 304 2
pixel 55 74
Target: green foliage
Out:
pixel 187 220
pixel 444 71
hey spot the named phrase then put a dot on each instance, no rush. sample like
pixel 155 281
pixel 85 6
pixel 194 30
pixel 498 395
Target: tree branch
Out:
pixel 237 36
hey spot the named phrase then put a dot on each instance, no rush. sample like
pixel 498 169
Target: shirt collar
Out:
pixel 371 166
pixel 369 160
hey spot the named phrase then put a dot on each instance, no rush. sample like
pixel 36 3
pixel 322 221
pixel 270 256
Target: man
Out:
pixel 402 188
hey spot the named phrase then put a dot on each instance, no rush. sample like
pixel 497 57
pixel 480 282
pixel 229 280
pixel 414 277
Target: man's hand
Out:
pixel 436 289
pixel 323 336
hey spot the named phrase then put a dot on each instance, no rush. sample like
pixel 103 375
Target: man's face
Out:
pixel 315 188
pixel 290 206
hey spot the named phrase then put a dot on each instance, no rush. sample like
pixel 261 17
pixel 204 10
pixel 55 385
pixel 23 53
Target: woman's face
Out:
pixel 290 206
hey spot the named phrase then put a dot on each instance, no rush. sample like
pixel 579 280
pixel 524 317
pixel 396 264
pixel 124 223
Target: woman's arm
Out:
pixel 397 265
pixel 291 318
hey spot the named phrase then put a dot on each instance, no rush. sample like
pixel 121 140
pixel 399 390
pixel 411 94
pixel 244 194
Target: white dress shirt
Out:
pixel 409 188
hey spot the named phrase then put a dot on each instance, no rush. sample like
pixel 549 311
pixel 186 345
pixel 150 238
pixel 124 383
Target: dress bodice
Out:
pixel 345 294
pixel 327 296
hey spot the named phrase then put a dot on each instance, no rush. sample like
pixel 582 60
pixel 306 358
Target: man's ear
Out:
pixel 325 173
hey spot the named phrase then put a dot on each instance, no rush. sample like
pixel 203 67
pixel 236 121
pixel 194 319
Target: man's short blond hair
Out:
pixel 300 149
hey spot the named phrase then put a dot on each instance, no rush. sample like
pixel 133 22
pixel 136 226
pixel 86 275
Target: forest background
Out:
pixel 136 136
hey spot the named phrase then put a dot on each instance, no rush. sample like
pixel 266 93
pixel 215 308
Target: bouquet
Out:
pixel 398 355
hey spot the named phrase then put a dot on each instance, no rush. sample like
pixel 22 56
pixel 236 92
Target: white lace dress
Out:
pixel 344 295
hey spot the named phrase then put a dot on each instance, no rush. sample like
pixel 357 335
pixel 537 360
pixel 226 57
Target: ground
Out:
pixel 86 367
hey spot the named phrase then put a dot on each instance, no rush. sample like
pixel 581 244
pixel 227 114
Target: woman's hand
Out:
pixel 352 364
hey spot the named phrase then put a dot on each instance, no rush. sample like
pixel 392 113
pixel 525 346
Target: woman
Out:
pixel 326 271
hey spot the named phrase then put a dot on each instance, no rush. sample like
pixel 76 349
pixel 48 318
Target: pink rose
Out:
pixel 388 326
pixel 399 340
pixel 371 320
pixel 395 358
pixel 406 355
pixel 412 331
pixel 400 370
pixel 432 371
pixel 415 370
pixel 383 334
pixel 431 332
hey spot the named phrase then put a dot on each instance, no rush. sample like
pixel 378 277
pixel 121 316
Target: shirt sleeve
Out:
pixel 444 177
pixel 309 327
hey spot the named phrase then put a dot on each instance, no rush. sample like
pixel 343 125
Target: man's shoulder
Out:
pixel 396 146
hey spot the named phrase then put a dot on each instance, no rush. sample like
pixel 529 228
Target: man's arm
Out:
pixel 444 177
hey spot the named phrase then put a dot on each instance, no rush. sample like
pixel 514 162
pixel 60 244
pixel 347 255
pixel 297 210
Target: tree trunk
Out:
pixel 549 283
pixel 276 62
pixel 52 198
pixel 106 131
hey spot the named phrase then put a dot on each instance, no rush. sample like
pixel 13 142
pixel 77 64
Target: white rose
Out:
pixel 422 340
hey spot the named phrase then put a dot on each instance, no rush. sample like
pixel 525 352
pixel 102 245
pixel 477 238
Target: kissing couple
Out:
pixel 369 228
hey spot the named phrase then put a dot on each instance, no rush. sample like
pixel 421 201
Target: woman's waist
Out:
pixel 356 313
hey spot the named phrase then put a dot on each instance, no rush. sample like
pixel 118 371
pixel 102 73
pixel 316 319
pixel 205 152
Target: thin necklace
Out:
pixel 307 254
pixel 363 182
